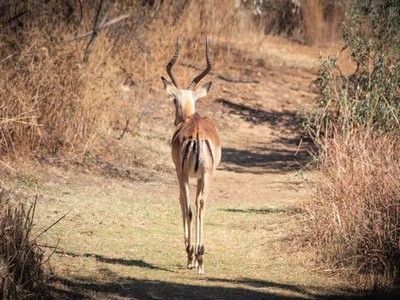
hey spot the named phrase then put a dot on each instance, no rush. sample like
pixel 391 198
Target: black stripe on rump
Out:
pixel 188 148
pixel 211 153
pixel 196 166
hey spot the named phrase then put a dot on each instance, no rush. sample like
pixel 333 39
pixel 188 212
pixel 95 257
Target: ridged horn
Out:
pixel 172 62
pixel 199 77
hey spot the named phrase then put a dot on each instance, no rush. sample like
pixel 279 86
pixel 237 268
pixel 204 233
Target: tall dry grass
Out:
pixel 52 102
pixel 354 213
pixel 42 82
pixel 41 91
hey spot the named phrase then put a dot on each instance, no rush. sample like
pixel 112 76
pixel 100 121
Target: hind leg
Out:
pixel 203 186
pixel 187 218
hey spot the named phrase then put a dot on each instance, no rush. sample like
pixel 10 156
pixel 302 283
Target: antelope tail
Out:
pixel 190 144
pixel 196 166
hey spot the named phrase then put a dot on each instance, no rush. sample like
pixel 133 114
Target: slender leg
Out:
pixel 184 214
pixel 198 195
pixel 187 216
pixel 202 191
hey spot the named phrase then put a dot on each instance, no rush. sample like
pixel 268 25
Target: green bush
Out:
pixel 370 97
pixel 353 214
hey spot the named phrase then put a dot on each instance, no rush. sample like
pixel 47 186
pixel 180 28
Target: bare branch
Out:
pixel 97 24
pixel 17 16
pixel 107 24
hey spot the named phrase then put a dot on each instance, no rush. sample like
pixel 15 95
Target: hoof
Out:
pixel 200 270
pixel 190 264
pixel 190 252
pixel 199 260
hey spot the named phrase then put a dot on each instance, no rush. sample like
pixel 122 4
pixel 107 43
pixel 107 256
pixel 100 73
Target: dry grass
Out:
pixel 354 213
pixel 53 103
pixel 41 90
pixel 21 270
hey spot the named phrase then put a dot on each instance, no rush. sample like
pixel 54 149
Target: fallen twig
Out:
pixel 123 131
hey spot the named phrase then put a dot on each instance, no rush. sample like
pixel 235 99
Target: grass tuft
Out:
pixel 21 268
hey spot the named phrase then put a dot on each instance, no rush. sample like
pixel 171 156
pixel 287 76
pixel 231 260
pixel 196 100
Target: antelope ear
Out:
pixel 169 87
pixel 203 91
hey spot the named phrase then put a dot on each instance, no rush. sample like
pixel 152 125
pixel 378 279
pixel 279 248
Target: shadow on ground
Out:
pixel 116 261
pixel 284 154
pixel 207 288
pixel 259 161
pixel 287 118
pixel 199 288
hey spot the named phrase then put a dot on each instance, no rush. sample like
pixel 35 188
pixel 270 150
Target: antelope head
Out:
pixel 184 99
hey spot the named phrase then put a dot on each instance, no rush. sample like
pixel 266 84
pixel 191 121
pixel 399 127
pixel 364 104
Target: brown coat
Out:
pixel 195 146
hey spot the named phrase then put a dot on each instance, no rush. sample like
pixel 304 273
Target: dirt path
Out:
pixel 123 239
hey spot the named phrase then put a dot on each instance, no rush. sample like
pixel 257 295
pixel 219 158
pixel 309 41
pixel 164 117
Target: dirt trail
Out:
pixel 123 239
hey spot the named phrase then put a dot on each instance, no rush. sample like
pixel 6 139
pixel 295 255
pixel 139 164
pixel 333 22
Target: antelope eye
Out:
pixel 174 100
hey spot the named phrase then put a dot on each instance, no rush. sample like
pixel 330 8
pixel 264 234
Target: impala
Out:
pixel 196 152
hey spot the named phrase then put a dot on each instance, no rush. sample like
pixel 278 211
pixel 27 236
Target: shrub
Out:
pixel 370 97
pixel 354 214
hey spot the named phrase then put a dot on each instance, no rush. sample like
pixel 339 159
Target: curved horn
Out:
pixel 199 77
pixel 173 60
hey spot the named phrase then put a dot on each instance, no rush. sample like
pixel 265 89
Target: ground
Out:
pixel 123 237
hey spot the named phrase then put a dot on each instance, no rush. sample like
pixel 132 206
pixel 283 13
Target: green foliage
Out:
pixel 369 97
pixel 354 211
pixel 372 29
